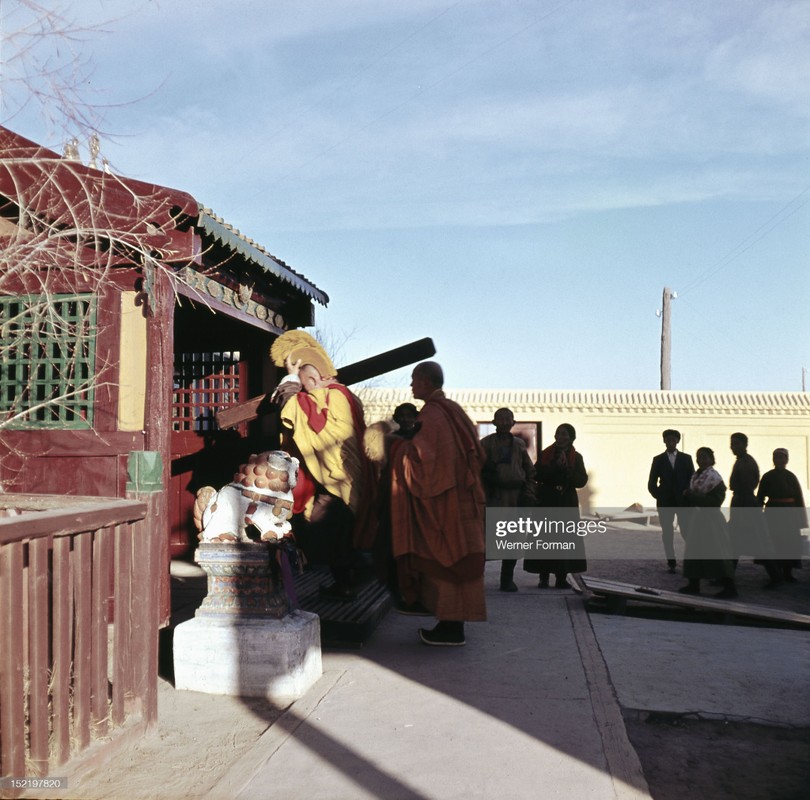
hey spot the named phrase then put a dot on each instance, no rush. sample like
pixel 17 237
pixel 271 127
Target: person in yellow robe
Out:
pixel 323 426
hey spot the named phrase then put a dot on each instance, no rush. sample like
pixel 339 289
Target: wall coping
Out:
pixel 381 402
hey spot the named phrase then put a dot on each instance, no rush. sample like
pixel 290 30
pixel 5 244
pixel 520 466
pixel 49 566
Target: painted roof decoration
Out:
pixel 233 239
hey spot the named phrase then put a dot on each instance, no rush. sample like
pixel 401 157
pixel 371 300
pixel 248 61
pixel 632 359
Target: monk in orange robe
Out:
pixel 438 513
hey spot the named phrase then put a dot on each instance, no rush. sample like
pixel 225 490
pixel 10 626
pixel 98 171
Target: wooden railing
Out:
pixel 79 595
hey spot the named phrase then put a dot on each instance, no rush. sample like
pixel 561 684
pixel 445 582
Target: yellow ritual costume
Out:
pixel 321 426
pixel 324 428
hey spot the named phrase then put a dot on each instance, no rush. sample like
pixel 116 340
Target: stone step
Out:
pixel 343 624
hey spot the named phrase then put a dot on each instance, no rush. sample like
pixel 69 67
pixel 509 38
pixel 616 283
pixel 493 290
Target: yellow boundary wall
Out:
pixel 619 432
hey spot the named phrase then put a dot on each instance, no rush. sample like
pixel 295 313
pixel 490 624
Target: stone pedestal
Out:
pixel 244 640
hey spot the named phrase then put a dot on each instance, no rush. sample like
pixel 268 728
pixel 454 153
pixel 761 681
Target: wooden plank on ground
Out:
pixel 645 594
pixel 623 763
pixel 576 582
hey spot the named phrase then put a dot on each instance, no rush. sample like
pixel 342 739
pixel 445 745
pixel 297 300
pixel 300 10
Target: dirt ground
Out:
pixel 681 757
pixel 687 757
pixel 180 760
pixel 708 758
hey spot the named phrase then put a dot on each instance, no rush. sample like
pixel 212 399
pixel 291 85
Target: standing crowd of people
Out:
pixel 714 545
pixel 417 501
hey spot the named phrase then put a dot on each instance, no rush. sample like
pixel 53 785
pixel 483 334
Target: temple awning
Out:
pixel 254 253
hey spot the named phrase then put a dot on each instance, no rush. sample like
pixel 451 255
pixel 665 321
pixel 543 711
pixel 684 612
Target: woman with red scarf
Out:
pixel 559 472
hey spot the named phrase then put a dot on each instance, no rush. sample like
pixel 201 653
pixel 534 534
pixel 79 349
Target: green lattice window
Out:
pixel 47 360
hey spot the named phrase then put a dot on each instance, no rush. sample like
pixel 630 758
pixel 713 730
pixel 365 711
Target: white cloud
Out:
pixel 366 114
pixel 770 58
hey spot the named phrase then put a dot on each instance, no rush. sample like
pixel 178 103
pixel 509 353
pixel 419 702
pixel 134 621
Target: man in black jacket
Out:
pixel 669 479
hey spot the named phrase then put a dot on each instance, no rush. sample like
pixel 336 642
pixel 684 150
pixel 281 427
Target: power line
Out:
pixel 746 244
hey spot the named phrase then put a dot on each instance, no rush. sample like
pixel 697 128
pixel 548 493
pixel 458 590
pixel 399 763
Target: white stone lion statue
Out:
pixel 260 495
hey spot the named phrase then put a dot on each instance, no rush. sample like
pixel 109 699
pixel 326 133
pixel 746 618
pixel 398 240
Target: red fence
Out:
pixel 79 608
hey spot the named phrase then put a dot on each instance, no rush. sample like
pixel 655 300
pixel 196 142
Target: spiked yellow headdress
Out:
pixel 299 344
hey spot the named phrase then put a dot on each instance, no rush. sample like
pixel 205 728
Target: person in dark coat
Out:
pixel 785 513
pixel 708 550
pixel 508 477
pixel 670 474
pixel 749 532
pixel 559 472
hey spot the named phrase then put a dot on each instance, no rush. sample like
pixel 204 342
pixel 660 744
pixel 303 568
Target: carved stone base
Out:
pixel 244 640
pixel 279 659
pixel 242 580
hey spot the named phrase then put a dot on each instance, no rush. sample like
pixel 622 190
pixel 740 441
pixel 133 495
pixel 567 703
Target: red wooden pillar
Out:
pixel 145 547
pixel 160 376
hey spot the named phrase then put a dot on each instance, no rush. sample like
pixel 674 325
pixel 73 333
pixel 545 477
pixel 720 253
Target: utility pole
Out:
pixel 666 340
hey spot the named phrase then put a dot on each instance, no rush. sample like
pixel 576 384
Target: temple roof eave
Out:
pixel 233 240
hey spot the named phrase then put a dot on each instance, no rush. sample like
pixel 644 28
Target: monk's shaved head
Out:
pixel 426 379
pixel 430 371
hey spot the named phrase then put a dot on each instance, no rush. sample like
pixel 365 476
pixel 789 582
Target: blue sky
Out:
pixel 518 180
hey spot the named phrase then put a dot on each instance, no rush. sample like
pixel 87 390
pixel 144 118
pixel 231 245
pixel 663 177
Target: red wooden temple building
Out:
pixel 129 315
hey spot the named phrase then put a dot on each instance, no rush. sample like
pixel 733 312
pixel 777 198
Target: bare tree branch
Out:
pixel 42 65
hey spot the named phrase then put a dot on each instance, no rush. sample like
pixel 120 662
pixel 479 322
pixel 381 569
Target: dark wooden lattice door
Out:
pixel 204 383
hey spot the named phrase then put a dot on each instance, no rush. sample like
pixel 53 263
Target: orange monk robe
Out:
pixel 437 513
pixel 324 429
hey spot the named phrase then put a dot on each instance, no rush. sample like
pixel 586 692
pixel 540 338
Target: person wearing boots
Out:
pixel 508 478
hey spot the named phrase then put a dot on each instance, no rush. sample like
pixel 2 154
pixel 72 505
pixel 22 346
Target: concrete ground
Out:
pixel 723 672
pixel 547 700
pixel 526 708
pixel 532 706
